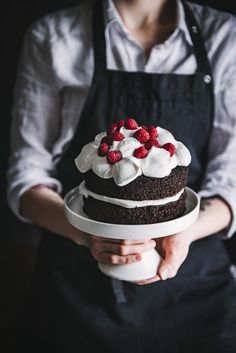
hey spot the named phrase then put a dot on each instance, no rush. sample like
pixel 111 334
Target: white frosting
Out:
pixel 101 168
pixel 85 159
pixel 126 170
pixel 182 154
pixel 165 136
pixel 127 146
pixel 98 138
pixel 158 163
pixel 128 203
pixel 127 133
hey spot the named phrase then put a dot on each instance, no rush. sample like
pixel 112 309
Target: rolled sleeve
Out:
pixel 220 176
pixel 20 186
pixel 35 120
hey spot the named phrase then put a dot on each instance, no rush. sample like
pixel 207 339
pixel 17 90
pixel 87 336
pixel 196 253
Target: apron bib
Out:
pixel 73 306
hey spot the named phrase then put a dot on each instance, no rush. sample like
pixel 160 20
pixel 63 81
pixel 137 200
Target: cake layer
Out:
pixel 142 188
pixel 125 202
pixel 108 213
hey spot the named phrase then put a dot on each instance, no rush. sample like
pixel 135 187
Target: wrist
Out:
pixel 192 233
pixel 76 235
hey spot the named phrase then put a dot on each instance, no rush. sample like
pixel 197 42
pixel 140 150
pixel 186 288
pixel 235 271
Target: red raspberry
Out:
pixel 107 139
pixel 140 152
pixel 117 136
pixel 152 132
pixel 152 143
pixel 121 123
pixel 103 149
pixel 114 156
pixel 131 124
pixel 112 128
pixel 170 148
pixel 141 135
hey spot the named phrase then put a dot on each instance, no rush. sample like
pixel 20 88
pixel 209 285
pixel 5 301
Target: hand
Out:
pixel 111 251
pixel 214 216
pixel 174 250
pixel 46 208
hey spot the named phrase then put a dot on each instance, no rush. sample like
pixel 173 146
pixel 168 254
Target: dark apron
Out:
pixel 73 306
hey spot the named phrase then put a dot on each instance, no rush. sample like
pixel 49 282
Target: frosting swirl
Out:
pixel 158 163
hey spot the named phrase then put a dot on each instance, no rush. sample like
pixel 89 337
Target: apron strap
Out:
pixel 118 291
pixel 99 43
pixel 203 62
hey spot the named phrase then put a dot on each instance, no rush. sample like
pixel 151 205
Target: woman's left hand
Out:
pixel 174 250
pixel 215 215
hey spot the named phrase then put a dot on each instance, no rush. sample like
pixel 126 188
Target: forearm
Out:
pixel 214 216
pixel 45 208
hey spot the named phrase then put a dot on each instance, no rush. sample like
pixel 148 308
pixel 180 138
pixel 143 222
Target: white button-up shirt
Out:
pixel 55 73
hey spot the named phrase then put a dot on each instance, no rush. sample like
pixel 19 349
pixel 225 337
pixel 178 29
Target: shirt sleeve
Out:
pixel 35 119
pixel 220 178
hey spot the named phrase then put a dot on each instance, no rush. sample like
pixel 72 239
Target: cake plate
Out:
pixel 147 267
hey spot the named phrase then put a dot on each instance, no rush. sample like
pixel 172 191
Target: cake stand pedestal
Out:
pixel 147 267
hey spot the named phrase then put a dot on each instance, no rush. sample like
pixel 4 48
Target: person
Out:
pixel 167 63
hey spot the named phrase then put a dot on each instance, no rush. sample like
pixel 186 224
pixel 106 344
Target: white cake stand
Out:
pixel 147 267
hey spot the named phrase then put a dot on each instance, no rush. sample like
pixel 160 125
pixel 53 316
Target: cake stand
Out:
pixel 147 267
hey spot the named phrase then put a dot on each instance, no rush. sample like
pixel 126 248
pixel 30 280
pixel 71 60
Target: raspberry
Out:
pixel 141 135
pixel 152 132
pixel 103 149
pixel 170 148
pixel 131 124
pixel 152 143
pixel 112 128
pixel 107 139
pixel 117 136
pixel 114 156
pixel 121 123
pixel 140 152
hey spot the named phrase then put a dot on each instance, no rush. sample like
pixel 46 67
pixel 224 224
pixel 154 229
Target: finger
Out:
pixel 126 242
pixel 123 250
pixel 164 270
pixel 170 265
pixel 114 259
pixel 159 247
pixel 148 281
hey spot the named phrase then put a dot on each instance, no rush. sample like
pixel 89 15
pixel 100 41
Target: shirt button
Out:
pixel 194 29
pixel 207 79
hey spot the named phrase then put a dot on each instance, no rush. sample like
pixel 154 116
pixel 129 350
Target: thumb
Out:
pixel 169 265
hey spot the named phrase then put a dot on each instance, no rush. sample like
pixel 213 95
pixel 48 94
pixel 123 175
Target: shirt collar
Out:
pixel 112 15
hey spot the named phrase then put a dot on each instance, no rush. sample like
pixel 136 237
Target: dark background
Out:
pixel 18 246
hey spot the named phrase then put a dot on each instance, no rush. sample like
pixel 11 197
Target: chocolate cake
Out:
pixel 134 175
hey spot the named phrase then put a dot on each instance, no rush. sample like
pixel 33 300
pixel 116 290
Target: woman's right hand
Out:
pixel 111 251
pixel 45 207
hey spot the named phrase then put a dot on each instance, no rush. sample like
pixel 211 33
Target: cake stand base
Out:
pixel 138 271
